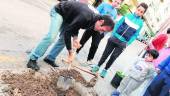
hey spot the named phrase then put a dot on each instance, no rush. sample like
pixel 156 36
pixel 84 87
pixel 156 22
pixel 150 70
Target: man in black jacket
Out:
pixel 72 16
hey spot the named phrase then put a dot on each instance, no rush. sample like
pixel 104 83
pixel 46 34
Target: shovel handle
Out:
pixel 85 71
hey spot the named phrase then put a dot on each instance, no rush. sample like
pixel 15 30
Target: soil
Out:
pixel 32 83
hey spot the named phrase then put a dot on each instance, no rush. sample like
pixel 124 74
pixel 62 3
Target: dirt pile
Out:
pixel 32 83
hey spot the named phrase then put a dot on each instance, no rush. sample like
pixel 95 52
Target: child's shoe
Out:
pixel 103 73
pixel 95 69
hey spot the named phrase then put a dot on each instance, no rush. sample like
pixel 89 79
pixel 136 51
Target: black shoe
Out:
pixel 52 63
pixel 33 65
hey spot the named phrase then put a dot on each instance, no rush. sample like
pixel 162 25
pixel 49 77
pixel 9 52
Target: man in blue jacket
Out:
pixel 125 32
pixel 104 9
pixel 160 86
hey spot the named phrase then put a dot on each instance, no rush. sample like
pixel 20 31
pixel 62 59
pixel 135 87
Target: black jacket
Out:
pixel 76 15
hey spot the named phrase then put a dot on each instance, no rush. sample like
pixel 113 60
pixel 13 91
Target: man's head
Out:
pixel 117 3
pixel 104 24
pixel 151 55
pixel 141 9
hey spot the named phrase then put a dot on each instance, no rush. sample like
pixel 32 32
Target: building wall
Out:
pixel 157 13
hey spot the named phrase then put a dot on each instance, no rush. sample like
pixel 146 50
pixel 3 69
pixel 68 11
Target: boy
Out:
pixel 125 32
pixel 73 16
pixel 143 69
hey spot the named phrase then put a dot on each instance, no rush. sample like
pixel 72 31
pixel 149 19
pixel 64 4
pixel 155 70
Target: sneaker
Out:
pixel 92 65
pixel 103 73
pixel 90 62
pixel 33 65
pixel 95 69
pixel 52 63
pixel 87 63
pixel 115 93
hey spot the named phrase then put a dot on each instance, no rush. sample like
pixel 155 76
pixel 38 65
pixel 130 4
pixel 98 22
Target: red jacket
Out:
pixel 159 42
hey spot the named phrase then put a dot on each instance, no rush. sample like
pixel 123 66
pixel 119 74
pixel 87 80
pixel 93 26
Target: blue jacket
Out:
pixel 127 28
pixel 107 9
pixel 165 65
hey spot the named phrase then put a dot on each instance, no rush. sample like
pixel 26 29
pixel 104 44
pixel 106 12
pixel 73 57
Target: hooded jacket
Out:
pixel 127 28
pixel 142 70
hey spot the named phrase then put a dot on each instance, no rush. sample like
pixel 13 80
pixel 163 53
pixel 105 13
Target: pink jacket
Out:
pixel 163 54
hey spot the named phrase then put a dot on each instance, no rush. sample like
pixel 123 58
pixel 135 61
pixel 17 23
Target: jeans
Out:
pixel 59 45
pixel 56 49
pixel 56 22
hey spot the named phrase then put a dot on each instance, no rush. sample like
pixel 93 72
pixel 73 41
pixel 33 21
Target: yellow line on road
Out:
pixel 7 58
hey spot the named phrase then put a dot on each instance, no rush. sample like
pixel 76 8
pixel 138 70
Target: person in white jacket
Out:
pixel 143 69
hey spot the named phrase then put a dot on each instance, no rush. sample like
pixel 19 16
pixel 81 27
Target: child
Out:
pixel 124 33
pixel 142 70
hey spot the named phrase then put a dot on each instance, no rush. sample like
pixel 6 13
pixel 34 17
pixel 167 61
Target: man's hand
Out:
pixel 70 57
pixel 76 43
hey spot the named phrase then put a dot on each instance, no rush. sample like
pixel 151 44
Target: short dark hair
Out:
pixel 108 21
pixel 168 31
pixel 144 5
pixel 154 53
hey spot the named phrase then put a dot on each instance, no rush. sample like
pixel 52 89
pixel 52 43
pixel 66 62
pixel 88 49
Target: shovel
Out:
pixel 64 82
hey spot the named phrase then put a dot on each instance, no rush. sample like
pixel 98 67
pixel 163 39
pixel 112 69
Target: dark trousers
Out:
pixel 114 47
pixel 160 86
pixel 96 3
pixel 96 38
